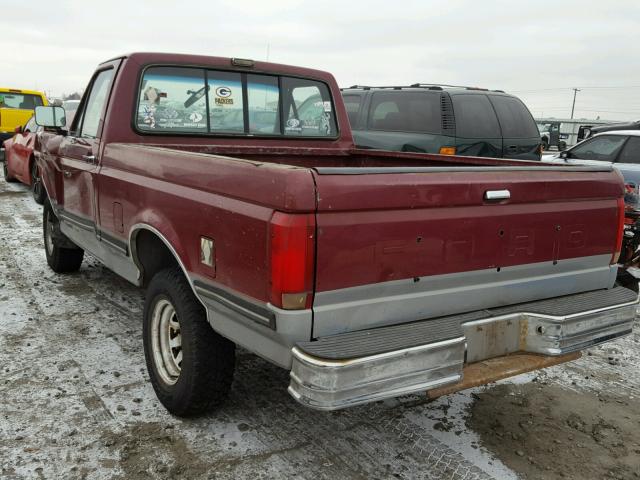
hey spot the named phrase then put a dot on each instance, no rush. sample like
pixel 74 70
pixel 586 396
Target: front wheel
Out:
pixel 191 366
pixel 37 189
pixel 62 255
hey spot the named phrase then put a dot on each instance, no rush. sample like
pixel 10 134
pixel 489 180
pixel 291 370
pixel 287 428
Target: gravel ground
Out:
pixel 75 401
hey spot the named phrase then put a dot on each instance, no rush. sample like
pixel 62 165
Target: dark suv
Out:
pixel 442 119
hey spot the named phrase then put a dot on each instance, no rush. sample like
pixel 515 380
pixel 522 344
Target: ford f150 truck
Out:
pixel 247 213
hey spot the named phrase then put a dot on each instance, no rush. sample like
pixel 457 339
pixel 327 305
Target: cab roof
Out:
pixel 179 59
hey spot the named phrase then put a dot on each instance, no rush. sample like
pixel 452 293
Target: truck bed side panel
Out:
pixel 187 196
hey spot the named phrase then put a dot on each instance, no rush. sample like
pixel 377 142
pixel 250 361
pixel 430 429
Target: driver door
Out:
pixel 80 151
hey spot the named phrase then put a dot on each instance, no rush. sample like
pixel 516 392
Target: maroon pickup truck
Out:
pixel 231 190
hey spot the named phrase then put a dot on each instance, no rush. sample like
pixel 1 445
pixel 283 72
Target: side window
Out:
pixel 352 103
pixel 515 119
pixel 172 99
pixel 308 110
pixel 95 104
pixel 263 98
pixel 405 111
pixel 631 151
pixel 603 148
pixel 475 117
pixel 226 113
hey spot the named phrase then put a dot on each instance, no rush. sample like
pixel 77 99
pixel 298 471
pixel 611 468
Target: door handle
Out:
pixel 512 148
pixel 66 173
pixel 497 195
pixel 89 159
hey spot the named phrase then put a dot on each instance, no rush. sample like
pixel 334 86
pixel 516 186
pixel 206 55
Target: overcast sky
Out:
pixel 538 51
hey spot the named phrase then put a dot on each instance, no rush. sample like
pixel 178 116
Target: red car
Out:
pixel 20 164
pixel 22 149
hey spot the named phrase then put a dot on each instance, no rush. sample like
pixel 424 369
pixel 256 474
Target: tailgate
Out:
pixel 399 247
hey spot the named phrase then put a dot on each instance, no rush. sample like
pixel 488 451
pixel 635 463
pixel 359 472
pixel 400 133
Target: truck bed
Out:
pixel 401 237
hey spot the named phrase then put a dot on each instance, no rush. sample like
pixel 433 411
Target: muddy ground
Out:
pixel 75 401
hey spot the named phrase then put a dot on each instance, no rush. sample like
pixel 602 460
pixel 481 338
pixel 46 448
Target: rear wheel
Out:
pixel 62 255
pixel 37 190
pixel 191 366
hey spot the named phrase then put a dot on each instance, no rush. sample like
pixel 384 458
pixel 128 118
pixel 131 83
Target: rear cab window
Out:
pixel 405 111
pixel 475 117
pixel 186 100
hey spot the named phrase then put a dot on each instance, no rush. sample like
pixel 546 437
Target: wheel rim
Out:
pixel 49 234
pixel 35 179
pixel 166 341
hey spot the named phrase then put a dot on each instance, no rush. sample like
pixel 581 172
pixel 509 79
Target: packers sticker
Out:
pixel 223 96
pixel 293 125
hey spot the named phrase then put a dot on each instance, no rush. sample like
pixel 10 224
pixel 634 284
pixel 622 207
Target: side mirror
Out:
pixel 52 117
pixel 564 154
pixel 18 129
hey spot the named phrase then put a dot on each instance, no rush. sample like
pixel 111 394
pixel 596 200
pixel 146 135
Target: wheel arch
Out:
pixel 156 243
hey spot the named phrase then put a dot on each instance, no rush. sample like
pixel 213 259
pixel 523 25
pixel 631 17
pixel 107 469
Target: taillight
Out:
pixel 447 150
pixel 292 250
pixel 620 232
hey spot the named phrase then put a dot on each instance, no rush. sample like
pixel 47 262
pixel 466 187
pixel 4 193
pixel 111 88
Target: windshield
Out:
pixel 22 101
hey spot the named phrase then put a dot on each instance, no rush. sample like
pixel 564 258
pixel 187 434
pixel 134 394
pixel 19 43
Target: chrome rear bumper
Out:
pixel 321 379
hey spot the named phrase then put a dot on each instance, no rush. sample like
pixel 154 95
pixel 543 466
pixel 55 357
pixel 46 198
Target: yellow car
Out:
pixel 16 108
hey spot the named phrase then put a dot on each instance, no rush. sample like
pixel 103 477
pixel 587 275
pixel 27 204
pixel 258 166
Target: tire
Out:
pixel 62 255
pixel 37 189
pixel 5 170
pixel 191 367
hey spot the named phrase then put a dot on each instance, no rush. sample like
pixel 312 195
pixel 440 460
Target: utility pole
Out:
pixel 573 107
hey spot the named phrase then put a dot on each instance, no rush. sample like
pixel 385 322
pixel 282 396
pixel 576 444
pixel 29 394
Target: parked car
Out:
pixel 20 159
pixel 619 148
pixel 614 126
pixel 16 108
pixel 367 274
pixel 441 119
